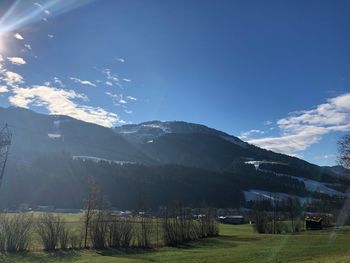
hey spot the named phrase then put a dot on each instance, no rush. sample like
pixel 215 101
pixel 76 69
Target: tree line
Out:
pixel 44 181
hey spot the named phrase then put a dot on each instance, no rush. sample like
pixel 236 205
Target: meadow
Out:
pixel 235 244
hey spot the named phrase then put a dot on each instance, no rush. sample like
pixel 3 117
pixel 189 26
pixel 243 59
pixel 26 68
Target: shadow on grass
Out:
pixel 55 256
pixel 224 241
pixel 124 251
pixel 240 238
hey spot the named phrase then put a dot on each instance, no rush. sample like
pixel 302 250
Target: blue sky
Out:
pixel 275 73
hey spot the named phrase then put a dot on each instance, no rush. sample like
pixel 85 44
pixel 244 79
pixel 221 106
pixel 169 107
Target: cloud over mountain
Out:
pixel 62 102
pixel 303 128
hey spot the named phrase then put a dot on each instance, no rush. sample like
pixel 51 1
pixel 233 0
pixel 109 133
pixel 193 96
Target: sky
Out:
pixel 274 73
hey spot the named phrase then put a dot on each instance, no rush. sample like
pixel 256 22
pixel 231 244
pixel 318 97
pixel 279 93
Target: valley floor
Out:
pixel 236 244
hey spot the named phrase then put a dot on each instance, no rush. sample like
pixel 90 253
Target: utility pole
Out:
pixel 5 142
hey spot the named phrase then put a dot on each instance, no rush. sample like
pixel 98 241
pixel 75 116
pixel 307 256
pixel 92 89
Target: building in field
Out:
pixel 45 208
pixel 233 220
pixel 313 223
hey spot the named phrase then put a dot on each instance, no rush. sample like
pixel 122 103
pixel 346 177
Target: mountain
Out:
pixel 153 162
pixel 337 170
pixel 36 134
pixel 146 132
pixel 196 145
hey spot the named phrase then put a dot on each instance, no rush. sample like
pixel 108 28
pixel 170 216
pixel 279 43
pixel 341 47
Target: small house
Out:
pixel 45 208
pixel 313 223
pixel 233 220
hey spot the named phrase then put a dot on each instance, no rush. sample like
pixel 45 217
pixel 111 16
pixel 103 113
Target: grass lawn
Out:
pixel 236 244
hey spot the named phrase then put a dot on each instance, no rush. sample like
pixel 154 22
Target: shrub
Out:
pixel 50 228
pixel 127 230
pixel 15 232
pixel 179 227
pixel 144 232
pixel 76 240
pixel 64 237
pixel 98 229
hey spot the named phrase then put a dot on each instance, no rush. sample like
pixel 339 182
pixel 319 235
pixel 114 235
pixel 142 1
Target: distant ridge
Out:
pixel 52 156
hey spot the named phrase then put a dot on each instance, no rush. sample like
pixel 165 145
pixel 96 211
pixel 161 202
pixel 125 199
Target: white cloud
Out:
pixel 110 76
pixel 59 101
pixel 47 12
pixel 122 60
pixel 38 5
pixel 83 82
pixel 58 81
pixel 326 156
pixel 17 60
pixel 247 134
pixel 18 36
pixel 3 89
pixel 127 80
pixel 131 98
pixel 50 36
pixel 118 99
pixel 27 46
pixel 108 83
pixel 12 78
pixel 302 129
pixel 128 111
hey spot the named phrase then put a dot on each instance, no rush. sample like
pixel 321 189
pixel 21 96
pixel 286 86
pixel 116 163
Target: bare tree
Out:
pixel 49 228
pixel 15 232
pixel 344 151
pixel 260 217
pixel 90 207
pixel 120 231
pixel 76 240
pixel 99 226
pixel 5 142
pixel 127 230
pixel 294 210
pixel 179 226
pixel 64 237
pixel 144 232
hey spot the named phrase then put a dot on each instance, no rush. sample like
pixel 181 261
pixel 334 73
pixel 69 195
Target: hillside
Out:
pixel 35 134
pixel 156 163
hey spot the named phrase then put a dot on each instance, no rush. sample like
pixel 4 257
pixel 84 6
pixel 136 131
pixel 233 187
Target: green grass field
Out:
pixel 235 244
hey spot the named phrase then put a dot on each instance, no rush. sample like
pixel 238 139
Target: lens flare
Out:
pixel 1 44
pixel 23 13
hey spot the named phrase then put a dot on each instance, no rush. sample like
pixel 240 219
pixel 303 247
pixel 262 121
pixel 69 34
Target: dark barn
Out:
pixel 233 220
pixel 313 223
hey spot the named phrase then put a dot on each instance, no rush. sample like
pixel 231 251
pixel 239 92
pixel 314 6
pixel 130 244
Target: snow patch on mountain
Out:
pixel 147 131
pixel 258 163
pixel 314 186
pixel 310 185
pixel 98 159
pixel 234 140
pixel 157 126
pixel 54 135
pixel 255 195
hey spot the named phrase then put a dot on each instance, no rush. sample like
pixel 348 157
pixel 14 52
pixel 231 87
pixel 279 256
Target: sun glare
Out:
pixel 2 45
